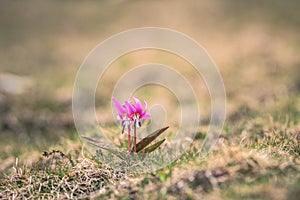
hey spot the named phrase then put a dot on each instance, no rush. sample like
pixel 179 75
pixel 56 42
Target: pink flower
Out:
pixel 122 113
pixel 121 109
pixel 129 114
pixel 137 112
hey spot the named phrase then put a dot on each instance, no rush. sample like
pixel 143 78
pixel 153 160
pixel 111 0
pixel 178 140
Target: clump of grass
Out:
pixel 57 176
pixel 278 139
pixel 280 143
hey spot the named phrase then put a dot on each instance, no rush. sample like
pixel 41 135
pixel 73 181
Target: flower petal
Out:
pixel 119 107
pixel 130 108
pixel 138 105
pixel 145 116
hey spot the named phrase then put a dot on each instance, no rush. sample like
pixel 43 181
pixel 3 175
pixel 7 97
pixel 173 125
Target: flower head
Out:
pixel 122 113
pixel 137 112
pixel 121 109
pixel 131 114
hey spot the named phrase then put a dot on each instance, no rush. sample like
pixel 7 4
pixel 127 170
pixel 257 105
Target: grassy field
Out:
pixel 256 47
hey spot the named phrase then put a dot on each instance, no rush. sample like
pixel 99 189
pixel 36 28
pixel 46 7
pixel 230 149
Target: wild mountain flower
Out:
pixel 123 116
pixel 122 113
pixel 131 114
pixel 136 112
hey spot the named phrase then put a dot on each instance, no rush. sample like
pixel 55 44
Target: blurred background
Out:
pixel 255 44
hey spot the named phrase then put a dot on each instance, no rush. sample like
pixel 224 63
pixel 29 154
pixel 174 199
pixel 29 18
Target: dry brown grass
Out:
pixel 57 176
pixel 225 172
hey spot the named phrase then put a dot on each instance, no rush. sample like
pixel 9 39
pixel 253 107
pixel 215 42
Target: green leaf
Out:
pixel 152 147
pixel 147 140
